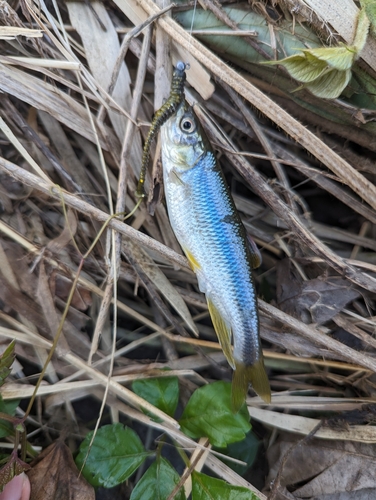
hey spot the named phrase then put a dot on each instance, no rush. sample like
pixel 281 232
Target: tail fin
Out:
pixel 243 376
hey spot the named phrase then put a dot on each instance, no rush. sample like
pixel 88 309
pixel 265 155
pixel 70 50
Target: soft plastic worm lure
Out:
pixel 176 97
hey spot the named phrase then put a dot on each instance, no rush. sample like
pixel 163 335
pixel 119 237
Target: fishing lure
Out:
pixel 208 227
pixel 176 97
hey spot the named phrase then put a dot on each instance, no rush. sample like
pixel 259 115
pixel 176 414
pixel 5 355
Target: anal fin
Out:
pixel 243 376
pixel 223 331
pixel 193 263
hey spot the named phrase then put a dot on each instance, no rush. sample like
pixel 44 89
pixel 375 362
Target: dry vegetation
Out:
pixel 78 89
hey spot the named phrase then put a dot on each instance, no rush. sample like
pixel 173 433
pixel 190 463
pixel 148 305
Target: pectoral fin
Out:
pixel 223 331
pixel 175 178
pixel 256 259
pixel 243 376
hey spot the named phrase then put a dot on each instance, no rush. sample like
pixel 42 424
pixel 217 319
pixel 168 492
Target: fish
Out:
pixel 209 229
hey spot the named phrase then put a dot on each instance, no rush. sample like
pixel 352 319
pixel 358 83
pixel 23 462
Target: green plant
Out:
pixel 117 452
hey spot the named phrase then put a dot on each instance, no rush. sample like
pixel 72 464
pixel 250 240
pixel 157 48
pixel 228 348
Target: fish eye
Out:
pixel 187 125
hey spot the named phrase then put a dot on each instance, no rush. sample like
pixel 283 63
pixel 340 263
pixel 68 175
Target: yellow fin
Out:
pixel 223 331
pixel 242 377
pixel 195 266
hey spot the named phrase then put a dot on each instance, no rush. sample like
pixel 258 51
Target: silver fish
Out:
pixel 205 221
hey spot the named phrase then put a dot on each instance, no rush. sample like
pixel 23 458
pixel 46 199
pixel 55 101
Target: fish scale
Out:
pixel 207 226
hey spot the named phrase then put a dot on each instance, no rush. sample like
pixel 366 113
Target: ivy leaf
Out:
pixel 245 450
pixel 208 414
pixel 158 482
pixel 6 361
pixel 208 488
pixel 162 392
pixel 115 454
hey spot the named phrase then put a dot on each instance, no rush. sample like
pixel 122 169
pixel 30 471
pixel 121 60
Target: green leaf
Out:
pixel 115 454
pixel 341 57
pixel 245 450
pixel 371 15
pixel 208 488
pixel 289 41
pixel 6 361
pixel 8 407
pixel 162 392
pixel 208 414
pixel 366 19
pixel 6 429
pixel 302 68
pixel 158 482
pixel 330 85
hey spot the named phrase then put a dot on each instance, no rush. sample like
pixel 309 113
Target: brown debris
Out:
pixel 54 476
pixel 74 113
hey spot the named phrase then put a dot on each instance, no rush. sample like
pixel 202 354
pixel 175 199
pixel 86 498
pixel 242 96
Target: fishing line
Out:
pixel 191 28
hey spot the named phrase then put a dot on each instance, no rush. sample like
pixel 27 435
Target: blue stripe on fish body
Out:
pixel 208 227
pixel 204 221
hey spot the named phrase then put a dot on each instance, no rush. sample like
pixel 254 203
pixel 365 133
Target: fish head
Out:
pixel 183 141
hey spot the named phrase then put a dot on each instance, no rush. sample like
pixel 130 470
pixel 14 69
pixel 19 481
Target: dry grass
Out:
pixel 71 142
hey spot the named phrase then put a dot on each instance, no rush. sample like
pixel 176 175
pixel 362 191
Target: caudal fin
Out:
pixel 243 376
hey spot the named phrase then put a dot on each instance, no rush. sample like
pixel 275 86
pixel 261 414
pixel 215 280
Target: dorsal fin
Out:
pixel 256 259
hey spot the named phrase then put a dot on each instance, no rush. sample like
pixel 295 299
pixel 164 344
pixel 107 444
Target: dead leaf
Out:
pixel 47 97
pixel 54 476
pixel 70 228
pixel 101 50
pixel 324 470
pixel 149 267
pixel 46 302
pixel 22 304
pixel 19 263
pixel 299 424
pixel 82 298
pixel 312 301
